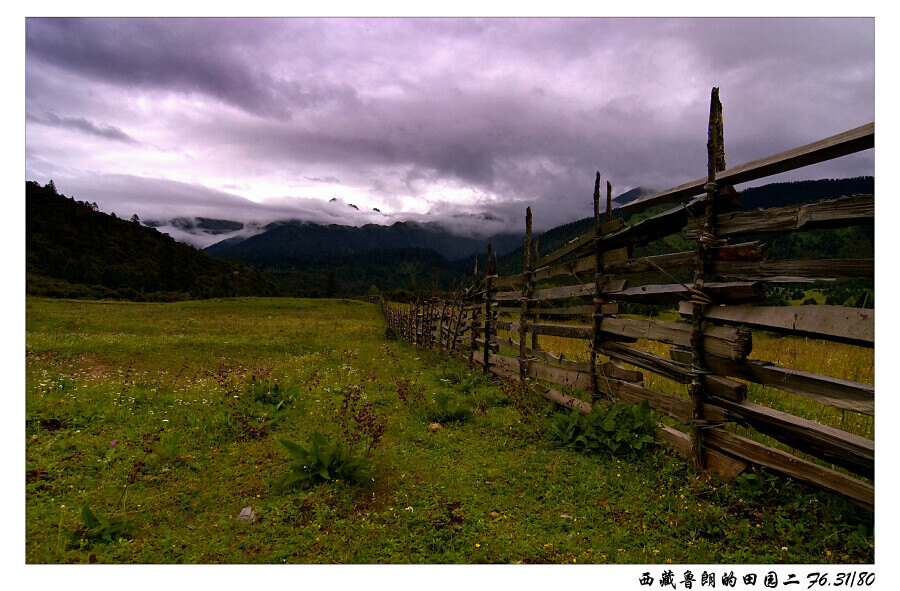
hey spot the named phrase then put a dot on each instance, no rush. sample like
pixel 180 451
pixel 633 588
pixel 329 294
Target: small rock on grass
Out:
pixel 247 514
pixel 434 427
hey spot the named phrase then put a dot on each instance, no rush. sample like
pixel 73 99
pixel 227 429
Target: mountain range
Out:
pixel 73 250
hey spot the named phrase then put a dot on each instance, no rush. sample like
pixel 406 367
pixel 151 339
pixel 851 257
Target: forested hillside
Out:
pixel 74 250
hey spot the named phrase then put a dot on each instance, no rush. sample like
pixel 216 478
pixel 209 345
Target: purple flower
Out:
pixel 112 442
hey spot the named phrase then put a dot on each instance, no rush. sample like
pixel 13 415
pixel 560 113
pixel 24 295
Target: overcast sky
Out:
pixel 458 120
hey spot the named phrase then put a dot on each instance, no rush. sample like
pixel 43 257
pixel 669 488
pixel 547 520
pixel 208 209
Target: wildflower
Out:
pixel 478 545
pixel 112 442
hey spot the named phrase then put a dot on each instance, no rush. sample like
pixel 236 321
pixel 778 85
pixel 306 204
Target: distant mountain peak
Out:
pixel 631 195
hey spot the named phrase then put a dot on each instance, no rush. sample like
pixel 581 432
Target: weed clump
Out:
pixel 99 528
pixel 322 460
pixel 450 409
pixel 617 429
pixel 359 422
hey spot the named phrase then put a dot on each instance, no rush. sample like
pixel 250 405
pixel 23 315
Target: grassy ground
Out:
pixel 165 419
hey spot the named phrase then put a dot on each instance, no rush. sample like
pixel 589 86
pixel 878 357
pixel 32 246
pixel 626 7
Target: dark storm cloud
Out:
pixel 109 132
pixel 513 112
pixel 214 57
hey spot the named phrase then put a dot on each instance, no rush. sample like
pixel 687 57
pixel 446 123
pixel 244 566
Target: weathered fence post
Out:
pixel 535 306
pixel 598 302
pixel 489 272
pixel 441 337
pixel 526 300
pixel 715 148
pixel 474 313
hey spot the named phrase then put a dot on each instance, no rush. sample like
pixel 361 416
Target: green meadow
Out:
pixel 150 427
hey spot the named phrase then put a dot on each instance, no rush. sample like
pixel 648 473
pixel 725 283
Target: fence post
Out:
pixel 474 313
pixel 489 272
pixel 441 338
pixel 598 302
pixel 431 312
pixel 526 300
pixel 535 306
pixel 715 148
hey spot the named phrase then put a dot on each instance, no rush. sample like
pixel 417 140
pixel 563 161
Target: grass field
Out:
pixel 165 419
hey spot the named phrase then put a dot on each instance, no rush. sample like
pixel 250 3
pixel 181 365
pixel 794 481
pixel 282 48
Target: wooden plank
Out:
pixel 789 465
pixel 611 226
pixel 566 400
pixel 547 357
pixel 830 213
pixel 568 248
pixel 615 370
pixel 747 251
pixel 610 308
pixel 580 242
pixel 716 462
pixel 834 323
pixel 571 311
pixel 805 268
pixel 556 330
pixel 835 392
pixel 568 291
pixel 674 407
pixel 733 343
pixel 506 362
pixel 847 450
pixel 582 265
pixel 579 380
pixel 848 142
pixel 736 292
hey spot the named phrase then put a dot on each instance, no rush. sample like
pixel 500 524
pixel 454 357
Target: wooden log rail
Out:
pixel 854 210
pixel 834 323
pixel 842 144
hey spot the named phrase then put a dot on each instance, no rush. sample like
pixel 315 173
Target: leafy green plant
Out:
pixel 450 409
pixel 617 429
pixel 266 392
pixel 100 528
pixel 322 460
pixel 169 450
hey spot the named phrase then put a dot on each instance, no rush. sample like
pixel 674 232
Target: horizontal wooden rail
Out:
pixel 734 292
pixel 849 142
pixel 834 323
pixel 849 451
pixel 797 269
pixel 790 465
pixel 831 213
pixel 733 343
pixel 747 251
pixel 570 291
pixel 834 392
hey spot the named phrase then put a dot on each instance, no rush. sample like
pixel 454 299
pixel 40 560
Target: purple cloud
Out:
pixel 466 119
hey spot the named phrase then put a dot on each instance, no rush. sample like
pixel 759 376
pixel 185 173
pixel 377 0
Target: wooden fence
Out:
pixel 709 354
